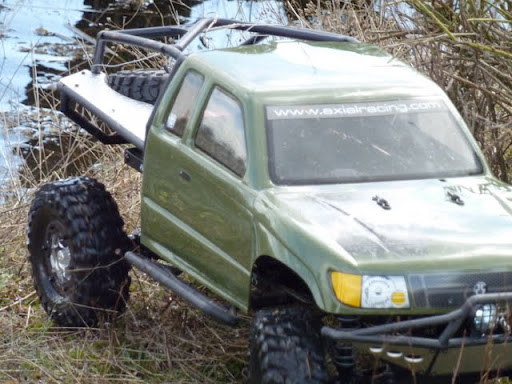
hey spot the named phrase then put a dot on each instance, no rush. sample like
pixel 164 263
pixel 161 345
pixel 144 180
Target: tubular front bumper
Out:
pixel 435 356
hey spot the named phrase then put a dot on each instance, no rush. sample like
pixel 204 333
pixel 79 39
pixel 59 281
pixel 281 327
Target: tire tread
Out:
pixel 286 347
pixel 141 84
pixel 96 238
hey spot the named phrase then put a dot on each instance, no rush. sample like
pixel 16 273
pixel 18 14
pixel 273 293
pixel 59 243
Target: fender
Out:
pixel 267 244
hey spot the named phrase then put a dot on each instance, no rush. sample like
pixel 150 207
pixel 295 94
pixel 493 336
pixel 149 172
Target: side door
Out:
pixel 162 231
pixel 210 227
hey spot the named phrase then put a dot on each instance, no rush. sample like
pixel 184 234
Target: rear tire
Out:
pixel 76 242
pixel 285 346
pixel 141 84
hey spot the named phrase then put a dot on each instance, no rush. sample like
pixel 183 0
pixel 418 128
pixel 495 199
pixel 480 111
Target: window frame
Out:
pixel 193 105
pixel 200 119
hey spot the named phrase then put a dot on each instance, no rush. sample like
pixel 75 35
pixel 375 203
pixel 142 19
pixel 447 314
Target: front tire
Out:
pixel 75 242
pixel 285 346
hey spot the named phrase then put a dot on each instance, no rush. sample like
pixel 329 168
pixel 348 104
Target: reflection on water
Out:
pixel 26 28
pixel 42 40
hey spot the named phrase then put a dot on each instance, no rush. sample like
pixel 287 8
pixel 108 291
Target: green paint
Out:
pixel 215 225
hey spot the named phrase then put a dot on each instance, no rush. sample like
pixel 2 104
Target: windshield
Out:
pixel 394 140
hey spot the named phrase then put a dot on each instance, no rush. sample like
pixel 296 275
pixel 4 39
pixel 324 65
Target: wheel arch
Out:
pixel 293 281
pixel 270 253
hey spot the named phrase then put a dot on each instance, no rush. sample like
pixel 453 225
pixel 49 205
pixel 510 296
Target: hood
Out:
pixel 420 221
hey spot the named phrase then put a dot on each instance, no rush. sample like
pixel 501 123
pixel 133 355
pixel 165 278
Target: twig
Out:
pixel 19 301
pixel 84 36
pixel 28 316
pixel 16 208
pixel 459 359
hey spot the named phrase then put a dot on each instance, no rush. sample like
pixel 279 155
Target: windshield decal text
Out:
pixel 353 110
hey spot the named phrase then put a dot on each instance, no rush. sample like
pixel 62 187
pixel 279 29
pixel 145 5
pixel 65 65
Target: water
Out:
pixel 27 27
pixel 42 40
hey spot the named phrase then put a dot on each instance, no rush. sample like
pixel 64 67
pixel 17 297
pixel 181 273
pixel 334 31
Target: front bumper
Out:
pixel 444 355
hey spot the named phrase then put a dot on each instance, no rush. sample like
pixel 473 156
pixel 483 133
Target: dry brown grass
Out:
pixel 158 339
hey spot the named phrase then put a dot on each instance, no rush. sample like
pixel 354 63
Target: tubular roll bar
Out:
pixel 143 37
pixel 380 334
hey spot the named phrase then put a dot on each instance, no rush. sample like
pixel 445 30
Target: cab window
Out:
pixel 221 134
pixel 184 103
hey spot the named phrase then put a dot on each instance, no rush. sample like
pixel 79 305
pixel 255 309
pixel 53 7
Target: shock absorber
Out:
pixel 342 354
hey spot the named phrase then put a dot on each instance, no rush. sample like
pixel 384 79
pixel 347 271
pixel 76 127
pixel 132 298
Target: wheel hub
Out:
pixel 60 258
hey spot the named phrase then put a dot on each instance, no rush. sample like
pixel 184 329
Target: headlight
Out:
pixel 363 291
pixel 485 318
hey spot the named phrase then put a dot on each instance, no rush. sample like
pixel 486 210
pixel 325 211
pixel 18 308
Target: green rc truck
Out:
pixel 304 177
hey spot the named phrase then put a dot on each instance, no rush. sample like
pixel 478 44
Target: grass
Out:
pixel 160 339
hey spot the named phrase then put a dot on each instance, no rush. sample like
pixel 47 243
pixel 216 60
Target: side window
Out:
pixel 184 102
pixel 222 134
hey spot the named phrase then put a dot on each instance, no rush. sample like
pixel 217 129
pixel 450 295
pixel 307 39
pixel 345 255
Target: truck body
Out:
pixel 320 172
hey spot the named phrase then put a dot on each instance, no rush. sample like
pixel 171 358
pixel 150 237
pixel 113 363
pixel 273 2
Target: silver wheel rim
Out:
pixel 60 258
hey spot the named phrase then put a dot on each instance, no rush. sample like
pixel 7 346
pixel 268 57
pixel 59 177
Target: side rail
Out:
pixel 265 30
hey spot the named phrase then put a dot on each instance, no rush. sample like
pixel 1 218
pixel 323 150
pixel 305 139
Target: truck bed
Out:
pixel 88 100
pixel 127 117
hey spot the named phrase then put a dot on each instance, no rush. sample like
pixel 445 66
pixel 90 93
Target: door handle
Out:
pixel 184 175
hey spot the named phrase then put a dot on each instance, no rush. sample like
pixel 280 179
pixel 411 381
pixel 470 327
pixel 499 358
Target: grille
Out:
pixel 452 290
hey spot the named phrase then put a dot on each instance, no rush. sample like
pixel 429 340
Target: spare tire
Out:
pixel 140 84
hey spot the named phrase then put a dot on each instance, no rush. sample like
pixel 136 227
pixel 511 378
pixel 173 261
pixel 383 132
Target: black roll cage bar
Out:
pixel 146 38
pixel 143 37
pixel 383 334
